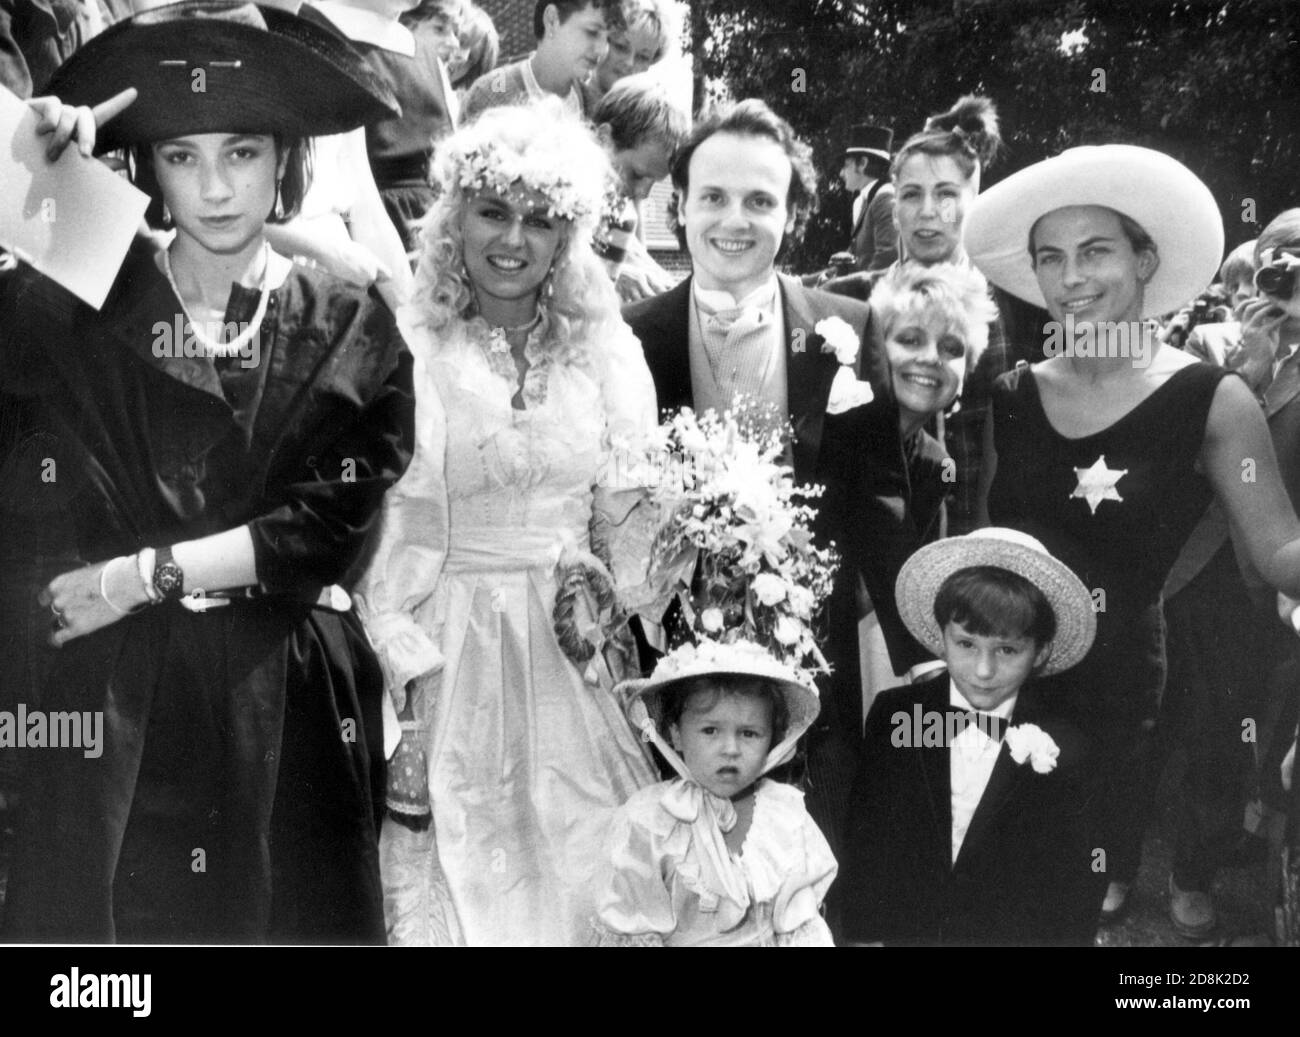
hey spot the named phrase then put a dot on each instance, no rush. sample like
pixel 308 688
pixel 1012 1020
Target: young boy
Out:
pixel 965 822
pixel 639 127
pixel 572 40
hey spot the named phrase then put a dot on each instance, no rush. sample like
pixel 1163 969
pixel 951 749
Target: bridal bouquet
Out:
pixel 733 545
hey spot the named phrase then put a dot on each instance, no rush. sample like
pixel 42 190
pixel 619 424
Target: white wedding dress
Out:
pixel 526 760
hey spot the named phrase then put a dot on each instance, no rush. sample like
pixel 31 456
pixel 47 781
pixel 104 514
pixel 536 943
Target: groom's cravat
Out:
pixel 742 342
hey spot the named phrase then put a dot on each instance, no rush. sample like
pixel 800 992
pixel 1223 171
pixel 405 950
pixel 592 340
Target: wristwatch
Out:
pixel 168 577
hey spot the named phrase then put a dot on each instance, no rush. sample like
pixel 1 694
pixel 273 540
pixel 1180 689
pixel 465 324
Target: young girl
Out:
pixel 719 856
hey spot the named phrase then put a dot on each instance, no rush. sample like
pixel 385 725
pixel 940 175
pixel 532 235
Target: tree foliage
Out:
pixel 1215 84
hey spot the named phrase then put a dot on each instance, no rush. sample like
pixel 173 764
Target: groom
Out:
pixel 744 185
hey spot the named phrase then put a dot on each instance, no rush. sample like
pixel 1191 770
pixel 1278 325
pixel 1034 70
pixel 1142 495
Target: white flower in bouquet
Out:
pixel 712 620
pixel 769 588
pixel 788 630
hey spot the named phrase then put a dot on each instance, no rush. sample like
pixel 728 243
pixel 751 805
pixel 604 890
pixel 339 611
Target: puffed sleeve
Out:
pixel 623 524
pixel 634 905
pixel 806 866
pixel 411 545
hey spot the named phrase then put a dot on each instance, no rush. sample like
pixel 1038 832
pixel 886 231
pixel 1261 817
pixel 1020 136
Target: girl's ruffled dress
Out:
pixel 672 882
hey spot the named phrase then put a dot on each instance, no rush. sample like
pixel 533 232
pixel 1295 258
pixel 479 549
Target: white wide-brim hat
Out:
pixel 710 658
pixel 1161 194
pixel 924 573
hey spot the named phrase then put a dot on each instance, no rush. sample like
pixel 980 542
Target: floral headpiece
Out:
pixel 486 167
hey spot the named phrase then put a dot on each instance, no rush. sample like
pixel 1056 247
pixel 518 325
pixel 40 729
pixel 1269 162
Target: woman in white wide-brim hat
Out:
pixel 1110 449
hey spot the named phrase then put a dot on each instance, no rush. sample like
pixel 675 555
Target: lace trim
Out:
pixel 541 350
pixel 603 936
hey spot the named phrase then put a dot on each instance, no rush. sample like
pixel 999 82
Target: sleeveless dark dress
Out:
pixel 1121 533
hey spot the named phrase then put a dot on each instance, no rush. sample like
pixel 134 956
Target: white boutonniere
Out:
pixel 847 392
pixel 839 338
pixel 1030 742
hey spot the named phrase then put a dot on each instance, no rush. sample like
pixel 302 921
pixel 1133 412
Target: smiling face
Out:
pixel 630 51
pixel 735 214
pixel 1087 267
pixel 988 670
pixel 931 197
pixel 578 44
pixel 927 363
pixel 509 245
pixel 724 739
pixel 219 187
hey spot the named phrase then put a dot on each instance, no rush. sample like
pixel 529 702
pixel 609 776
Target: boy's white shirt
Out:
pixel 971 758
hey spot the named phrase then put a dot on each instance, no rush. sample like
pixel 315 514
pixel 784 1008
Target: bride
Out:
pixel 510 761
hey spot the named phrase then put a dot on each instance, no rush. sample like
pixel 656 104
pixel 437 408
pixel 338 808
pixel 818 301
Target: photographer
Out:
pixel 1207 329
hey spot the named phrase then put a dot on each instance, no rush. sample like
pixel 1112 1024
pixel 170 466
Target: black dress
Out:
pixel 1117 507
pixel 235 795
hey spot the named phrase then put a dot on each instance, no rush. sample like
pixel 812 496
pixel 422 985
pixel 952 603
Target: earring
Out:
pixel 166 215
pixel 278 211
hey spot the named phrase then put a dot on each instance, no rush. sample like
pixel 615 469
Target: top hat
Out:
pixel 865 139
pixel 217 66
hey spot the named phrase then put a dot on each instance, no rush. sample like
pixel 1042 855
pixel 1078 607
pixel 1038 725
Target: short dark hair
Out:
pixel 293 186
pixel 639 108
pixel 751 118
pixel 1283 231
pixel 995 602
pixel 872 165
pixel 612 9
pixel 716 685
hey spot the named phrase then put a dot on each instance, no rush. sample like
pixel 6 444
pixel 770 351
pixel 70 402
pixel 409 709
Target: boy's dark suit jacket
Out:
pixel 662 326
pixel 1024 875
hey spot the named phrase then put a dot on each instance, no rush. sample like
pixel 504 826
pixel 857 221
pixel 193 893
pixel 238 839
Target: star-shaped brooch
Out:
pixel 1097 483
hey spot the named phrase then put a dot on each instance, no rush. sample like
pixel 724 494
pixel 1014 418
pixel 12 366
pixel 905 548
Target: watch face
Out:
pixel 168 579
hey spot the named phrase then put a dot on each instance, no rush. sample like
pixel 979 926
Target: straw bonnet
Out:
pixel 1161 194
pixel 924 573
pixel 213 66
pixel 709 658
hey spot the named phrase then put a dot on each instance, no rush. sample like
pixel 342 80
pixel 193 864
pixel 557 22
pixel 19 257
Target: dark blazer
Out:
pixel 1024 875
pixel 875 238
pixel 661 325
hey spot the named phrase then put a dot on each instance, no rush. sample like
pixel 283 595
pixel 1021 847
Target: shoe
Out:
pixel 1113 907
pixel 1191 911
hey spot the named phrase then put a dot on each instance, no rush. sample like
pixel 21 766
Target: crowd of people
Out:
pixel 419 627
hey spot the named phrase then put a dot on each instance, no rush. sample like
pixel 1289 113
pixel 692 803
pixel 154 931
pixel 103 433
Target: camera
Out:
pixel 1277 277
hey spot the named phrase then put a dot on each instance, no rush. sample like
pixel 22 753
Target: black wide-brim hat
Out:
pixel 216 66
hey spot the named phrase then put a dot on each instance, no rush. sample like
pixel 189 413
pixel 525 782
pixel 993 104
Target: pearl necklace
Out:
pixel 211 346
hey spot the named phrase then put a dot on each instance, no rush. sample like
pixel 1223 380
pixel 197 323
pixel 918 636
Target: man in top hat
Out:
pixel 866 174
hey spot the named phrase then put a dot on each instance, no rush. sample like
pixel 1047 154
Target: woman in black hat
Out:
pixel 228 424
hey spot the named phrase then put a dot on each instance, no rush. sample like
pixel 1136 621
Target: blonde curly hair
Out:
pixel 538 146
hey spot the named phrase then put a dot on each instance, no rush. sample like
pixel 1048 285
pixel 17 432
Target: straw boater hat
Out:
pixel 923 574
pixel 210 66
pixel 1161 194
pixel 709 658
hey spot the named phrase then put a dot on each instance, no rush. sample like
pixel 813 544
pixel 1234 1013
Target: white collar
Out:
pixel 366 26
pixel 763 297
pixel 958 701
